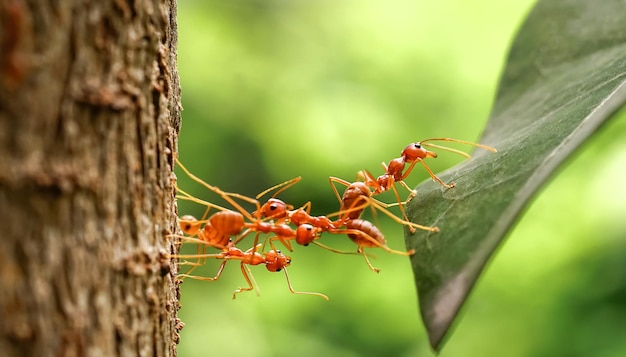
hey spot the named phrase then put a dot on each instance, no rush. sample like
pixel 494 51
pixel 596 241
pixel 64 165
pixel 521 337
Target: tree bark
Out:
pixel 89 120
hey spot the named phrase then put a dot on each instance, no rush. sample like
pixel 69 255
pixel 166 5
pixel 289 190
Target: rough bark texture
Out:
pixel 89 118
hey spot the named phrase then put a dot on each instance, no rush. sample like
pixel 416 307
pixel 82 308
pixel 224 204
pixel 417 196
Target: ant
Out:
pixel 394 172
pixel 222 225
pixel 233 222
pixel 413 153
pixel 274 261
pixel 358 196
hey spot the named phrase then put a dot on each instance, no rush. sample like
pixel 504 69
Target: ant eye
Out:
pixel 278 269
pixel 278 251
pixel 273 207
pixel 417 145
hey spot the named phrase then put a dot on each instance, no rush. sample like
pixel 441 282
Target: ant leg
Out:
pixel 227 196
pixel 217 276
pixel 412 192
pixel 188 197
pixel 344 215
pixel 406 222
pixel 401 206
pixel 249 278
pixel 307 207
pixel 284 241
pixel 332 179
pixel 200 242
pixel 434 177
pixel 370 181
pixel 337 250
pixel 381 206
pixel 200 256
pixel 362 252
pixel 373 241
pixel 285 185
pixel 199 261
pixel 302 292
pixel 243 235
pixel 205 256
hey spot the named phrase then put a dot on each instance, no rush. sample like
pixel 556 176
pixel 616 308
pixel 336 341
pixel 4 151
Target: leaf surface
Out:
pixel 564 77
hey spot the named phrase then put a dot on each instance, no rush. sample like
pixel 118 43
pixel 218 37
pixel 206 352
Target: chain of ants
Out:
pixel 225 228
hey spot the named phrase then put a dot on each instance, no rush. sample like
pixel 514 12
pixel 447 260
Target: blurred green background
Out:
pixel 277 89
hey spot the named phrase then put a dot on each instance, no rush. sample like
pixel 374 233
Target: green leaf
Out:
pixel 565 76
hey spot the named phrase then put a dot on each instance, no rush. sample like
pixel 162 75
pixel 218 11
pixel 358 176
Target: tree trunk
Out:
pixel 89 119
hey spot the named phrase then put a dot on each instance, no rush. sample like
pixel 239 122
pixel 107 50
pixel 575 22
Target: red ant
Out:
pixel 222 225
pixel 233 222
pixel 274 261
pixel 358 196
pixel 412 154
pixel 394 172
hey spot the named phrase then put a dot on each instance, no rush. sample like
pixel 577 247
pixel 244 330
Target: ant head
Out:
pixel 276 261
pixel 306 233
pixel 189 224
pixel 274 208
pixel 415 151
